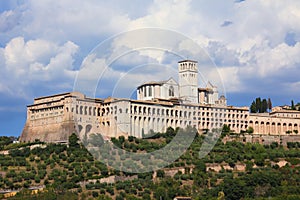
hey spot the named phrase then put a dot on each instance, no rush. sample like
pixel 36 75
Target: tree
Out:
pixel 269 104
pixel 253 107
pixel 250 130
pixel 4 140
pixel 200 165
pixel 160 193
pixel 96 140
pixel 258 104
pixel 73 140
pixel 264 106
pixel 160 173
pixel 225 130
pixel 293 105
pixel 95 194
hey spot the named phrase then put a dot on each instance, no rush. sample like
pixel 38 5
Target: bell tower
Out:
pixel 188 81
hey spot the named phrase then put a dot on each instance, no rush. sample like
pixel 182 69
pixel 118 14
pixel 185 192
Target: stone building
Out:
pixel 159 105
pixel 278 122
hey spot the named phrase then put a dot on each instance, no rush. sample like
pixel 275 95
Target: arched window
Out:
pixel 171 91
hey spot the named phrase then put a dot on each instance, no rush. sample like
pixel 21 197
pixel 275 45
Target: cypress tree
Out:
pixel 293 105
pixel 253 107
pixel 258 105
pixel 264 106
pixel 269 104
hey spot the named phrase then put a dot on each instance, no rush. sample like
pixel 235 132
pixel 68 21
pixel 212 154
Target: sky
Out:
pixel 45 47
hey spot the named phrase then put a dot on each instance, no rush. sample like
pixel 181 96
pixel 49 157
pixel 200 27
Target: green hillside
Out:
pixel 230 171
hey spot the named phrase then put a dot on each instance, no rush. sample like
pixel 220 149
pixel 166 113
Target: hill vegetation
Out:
pixel 232 170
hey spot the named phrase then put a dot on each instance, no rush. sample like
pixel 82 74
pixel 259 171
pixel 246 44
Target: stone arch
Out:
pixel 284 127
pixel 79 128
pixel 88 128
pixel 290 127
pixel 262 127
pixel 251 123
pixel 273 127
pixel 279 128
pixel 296 129
pixel 268 127
pixel 256 127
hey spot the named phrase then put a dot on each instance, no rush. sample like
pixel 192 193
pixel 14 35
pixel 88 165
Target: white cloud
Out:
pixel 42 44
pixel 26 63
pixel 252 46
pixel 71 20
pixel 8 20
pixel 172 14
pixel 277 60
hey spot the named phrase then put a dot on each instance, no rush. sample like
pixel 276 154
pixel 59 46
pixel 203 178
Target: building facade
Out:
pixel 159 105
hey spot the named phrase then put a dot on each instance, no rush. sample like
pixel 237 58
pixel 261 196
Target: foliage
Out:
pixel 61 168
pixel 293 105
pixel 250 130
pixel 260 105
pixel 73 140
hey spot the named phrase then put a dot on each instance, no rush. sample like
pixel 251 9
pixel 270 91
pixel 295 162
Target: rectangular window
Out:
pixel 150 91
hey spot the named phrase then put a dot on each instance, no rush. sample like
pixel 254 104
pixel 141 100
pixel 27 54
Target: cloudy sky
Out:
pixel 45 46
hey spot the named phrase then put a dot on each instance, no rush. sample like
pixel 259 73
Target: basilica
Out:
pixel 159 105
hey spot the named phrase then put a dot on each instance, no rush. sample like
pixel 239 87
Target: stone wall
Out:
pixel 58 132
pixel 268 139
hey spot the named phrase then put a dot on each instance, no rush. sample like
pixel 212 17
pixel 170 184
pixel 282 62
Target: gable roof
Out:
pixel 157 82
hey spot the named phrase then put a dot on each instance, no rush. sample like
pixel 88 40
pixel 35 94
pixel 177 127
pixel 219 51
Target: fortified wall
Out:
pixel 53 118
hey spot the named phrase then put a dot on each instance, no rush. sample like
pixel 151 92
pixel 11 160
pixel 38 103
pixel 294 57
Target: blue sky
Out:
pixel 255 45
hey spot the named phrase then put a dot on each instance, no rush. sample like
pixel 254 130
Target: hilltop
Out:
pixel 232 170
